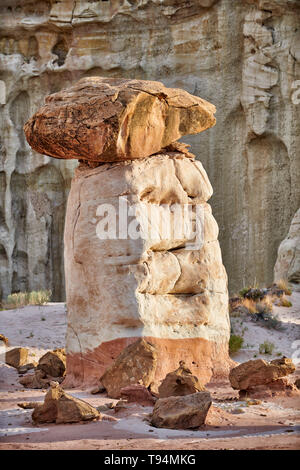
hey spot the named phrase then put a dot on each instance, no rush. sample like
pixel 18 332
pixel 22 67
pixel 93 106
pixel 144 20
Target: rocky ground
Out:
pixel 274 423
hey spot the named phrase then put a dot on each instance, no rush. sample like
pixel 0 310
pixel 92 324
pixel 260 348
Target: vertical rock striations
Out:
pixel 288 261
pixel 244 58
pixel 142 257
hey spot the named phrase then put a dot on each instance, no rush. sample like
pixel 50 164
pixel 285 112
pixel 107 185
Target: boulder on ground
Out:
pixel 259 372
pixel 111 119
pixel 37 380
pixel 135 365
pixel 180 382
pixel 53 363
pixel 16 357
pixel 186 412
pixel 60 407
pixel 137 394
pixel 280 387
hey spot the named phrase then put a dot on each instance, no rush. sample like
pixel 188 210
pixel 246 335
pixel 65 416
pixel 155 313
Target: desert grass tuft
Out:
pixel 284 285
pixel 20 299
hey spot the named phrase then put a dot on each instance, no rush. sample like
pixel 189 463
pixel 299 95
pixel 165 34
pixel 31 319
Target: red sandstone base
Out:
pixel 207 360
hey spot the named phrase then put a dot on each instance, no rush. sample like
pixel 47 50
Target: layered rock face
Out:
pixel 245 59
pixel 288 261
pixel 142 257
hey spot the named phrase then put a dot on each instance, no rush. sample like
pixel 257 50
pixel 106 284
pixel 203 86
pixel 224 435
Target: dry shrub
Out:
pixel 284 285
pixel 20 299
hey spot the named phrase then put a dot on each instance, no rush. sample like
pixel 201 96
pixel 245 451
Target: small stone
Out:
pixel 120 405
pixel 26 367
pixel 180 382
pixel 28 405
pixel 4 340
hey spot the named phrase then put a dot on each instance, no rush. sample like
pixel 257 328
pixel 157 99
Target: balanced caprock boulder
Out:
pixel 142 257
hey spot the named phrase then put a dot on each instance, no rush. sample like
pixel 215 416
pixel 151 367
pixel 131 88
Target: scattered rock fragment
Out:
pixel 4 340
pixel 185 412
pixel 136 364
pixel 60 407
pixel 98 389
pixel 180 382
pixel 137 394
pixel 259 372
pixel 16 357
pixel 38 380
pixel 120 406
pixel 53 363
pixel 29 405
pixel 280 387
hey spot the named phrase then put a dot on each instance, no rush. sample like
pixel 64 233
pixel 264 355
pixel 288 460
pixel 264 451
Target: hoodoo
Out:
pixel 142 257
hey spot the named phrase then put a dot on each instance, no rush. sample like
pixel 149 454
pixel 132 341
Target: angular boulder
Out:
pixel 60 407
pixel 16 357
pixel 135 365
pixel 53 363
pixel 186 412
pixel 259 372
pixel 111 119
pixel 180 382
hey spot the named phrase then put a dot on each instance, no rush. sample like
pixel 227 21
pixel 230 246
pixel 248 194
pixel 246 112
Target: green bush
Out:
pixel 235 343
pixel 266 347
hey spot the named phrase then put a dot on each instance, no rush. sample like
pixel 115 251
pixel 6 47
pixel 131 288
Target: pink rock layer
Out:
pixel 206 359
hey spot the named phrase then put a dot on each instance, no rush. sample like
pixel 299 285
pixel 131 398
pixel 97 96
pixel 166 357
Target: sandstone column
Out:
pixel 133 269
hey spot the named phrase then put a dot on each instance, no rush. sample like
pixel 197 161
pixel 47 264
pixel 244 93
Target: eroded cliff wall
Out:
pixel 243 56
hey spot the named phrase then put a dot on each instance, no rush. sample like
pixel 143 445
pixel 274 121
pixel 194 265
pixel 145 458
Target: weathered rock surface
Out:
pixel 281 387
pixel 137 394
pixel 185 412
pixel 288 261
pixel 60 407
pixel 248 67
pixel 110 119
pixel 161 284
pixel 180 382
pixel 259 372
pixel 53 363
pixel 37 380
pixel 16 357
pixel 135 365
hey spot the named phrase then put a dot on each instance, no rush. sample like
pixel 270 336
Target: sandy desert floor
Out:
pixel 231 424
